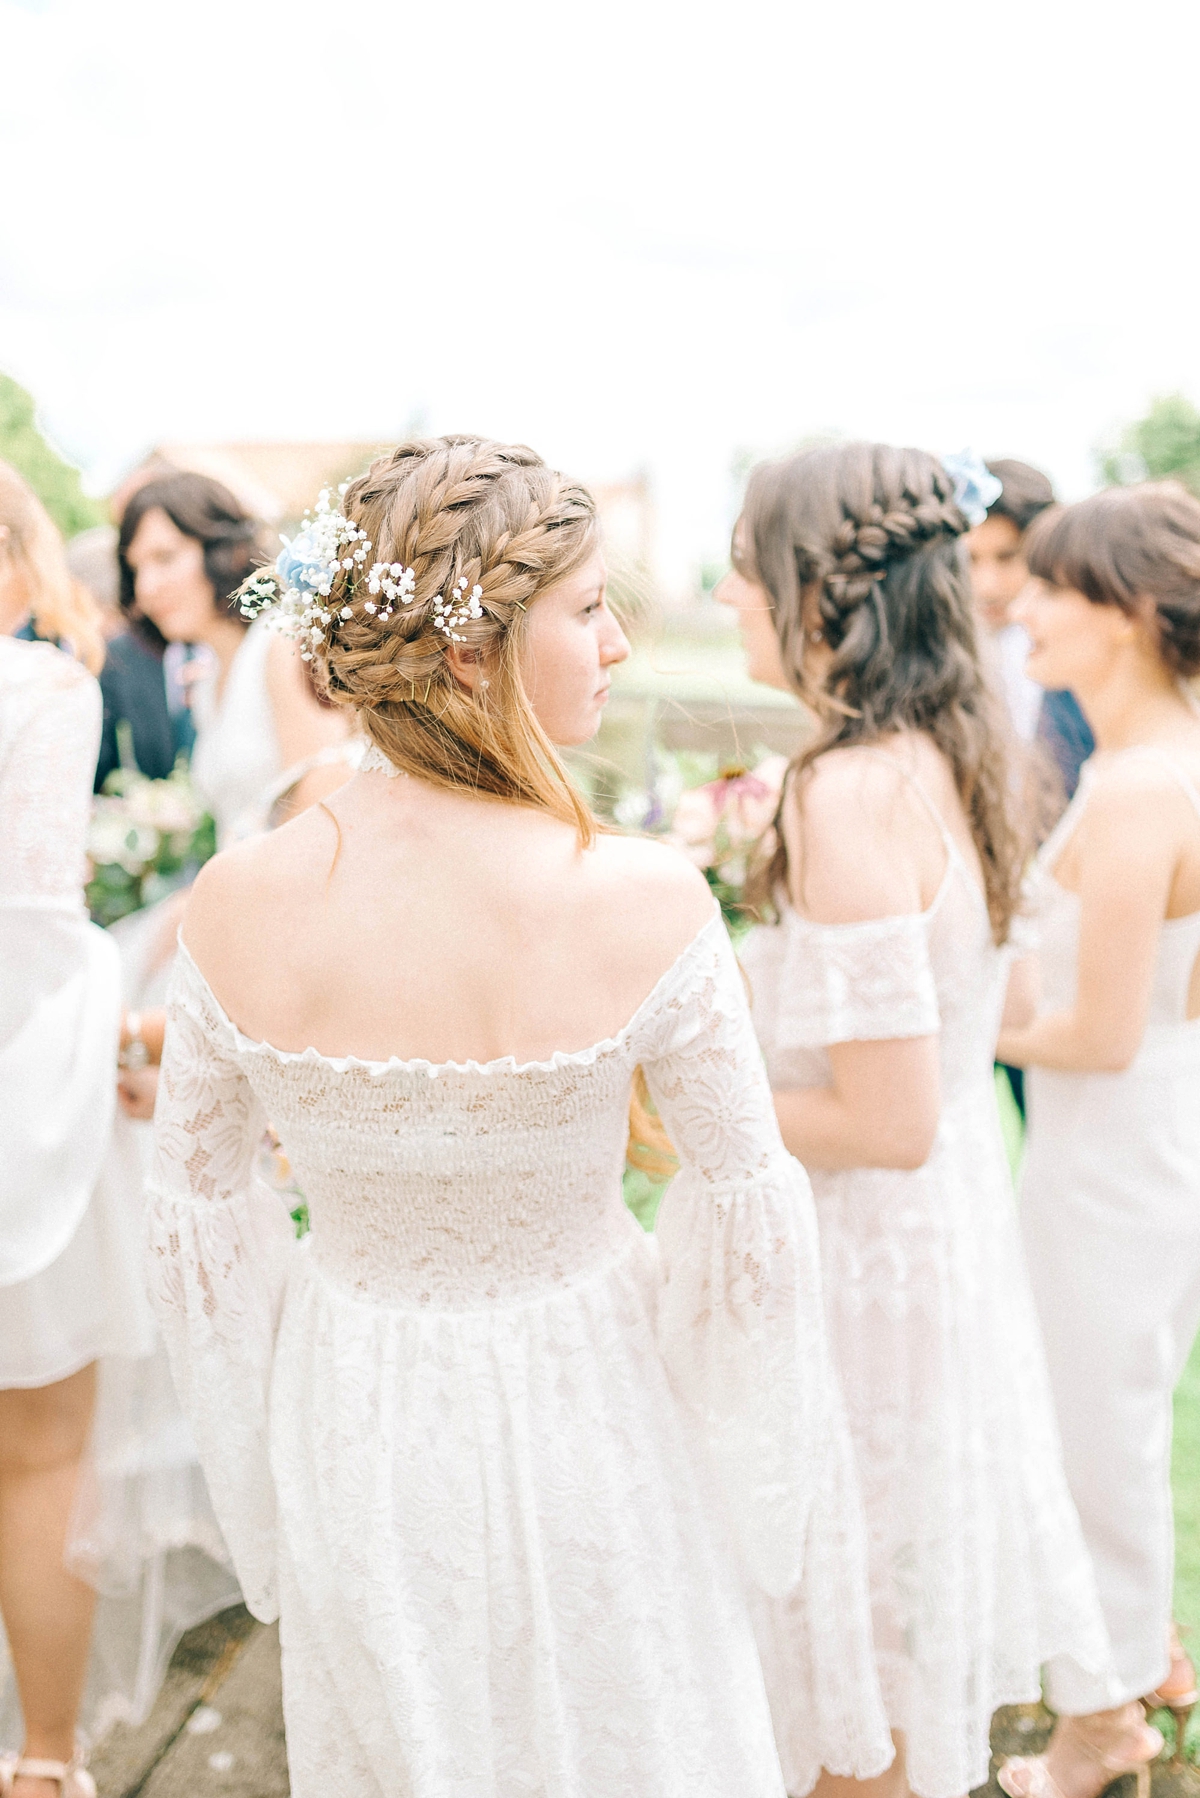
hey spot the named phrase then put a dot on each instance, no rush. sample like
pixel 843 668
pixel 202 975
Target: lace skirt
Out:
pixel 499 1563
pixel 978 1569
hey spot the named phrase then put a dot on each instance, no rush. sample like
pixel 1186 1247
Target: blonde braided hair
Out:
pixel 453 509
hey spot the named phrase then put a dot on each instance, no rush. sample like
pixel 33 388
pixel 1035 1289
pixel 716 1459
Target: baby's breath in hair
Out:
pixel 298 591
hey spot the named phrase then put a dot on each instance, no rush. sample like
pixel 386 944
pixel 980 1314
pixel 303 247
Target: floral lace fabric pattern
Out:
pixel 506 1467
pixel 48 742
pixel 977 1564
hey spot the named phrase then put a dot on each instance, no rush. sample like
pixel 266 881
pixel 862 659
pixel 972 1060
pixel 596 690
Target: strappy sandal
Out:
pixel 74 1780
pixel 1029 1776
pixel 1177 1694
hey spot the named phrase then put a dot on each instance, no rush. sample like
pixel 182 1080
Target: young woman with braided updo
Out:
pixel 501 1463
pixel 877 995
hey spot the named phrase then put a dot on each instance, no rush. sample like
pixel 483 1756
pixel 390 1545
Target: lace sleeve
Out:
pixel 220 1245
pixel 856 983
pixel 46 791
pixel 741 1324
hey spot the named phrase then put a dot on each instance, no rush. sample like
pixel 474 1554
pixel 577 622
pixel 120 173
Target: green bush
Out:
pixel 1166 443
pixel 55 482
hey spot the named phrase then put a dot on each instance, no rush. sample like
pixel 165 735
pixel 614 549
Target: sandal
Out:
pixel 74 1780
pixel 1177 1694
pixel 1029 1776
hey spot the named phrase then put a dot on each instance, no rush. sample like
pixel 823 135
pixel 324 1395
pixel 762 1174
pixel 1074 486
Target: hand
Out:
pixel 137 1089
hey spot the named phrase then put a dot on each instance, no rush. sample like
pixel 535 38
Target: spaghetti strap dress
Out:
pixel 1110 1211
pixel 978 1567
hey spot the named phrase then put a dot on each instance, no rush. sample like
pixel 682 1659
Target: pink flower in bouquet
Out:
pixel 718 824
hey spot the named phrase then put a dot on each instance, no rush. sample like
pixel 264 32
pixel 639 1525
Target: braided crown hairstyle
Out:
pixel 494 515
pixel 860 542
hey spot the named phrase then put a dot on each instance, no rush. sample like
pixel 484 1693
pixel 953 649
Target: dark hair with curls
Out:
pixel 492 515
pixel 1024 492
pixel 1134 547
pixel 205 510
pixel 862 540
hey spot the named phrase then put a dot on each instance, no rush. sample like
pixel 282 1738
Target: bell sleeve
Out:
pixel 221 1243
pixel 741 1326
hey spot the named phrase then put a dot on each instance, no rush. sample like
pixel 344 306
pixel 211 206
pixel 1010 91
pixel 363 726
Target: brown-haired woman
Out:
pixel 262 735
pixel 71 1288
pixel 878 993
pixel 441 1434
pixel 1111 1193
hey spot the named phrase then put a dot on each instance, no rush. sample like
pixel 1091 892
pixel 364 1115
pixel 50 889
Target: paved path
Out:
pixel 217 1729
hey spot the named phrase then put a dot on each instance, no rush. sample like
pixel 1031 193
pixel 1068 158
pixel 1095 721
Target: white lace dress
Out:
pixel 70 1269
pixel 978 1569
pixel 491 1452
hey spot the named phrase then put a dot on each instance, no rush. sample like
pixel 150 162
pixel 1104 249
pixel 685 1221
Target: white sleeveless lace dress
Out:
pixel 479 1440
pixel 978 1569
pixel 1110 1210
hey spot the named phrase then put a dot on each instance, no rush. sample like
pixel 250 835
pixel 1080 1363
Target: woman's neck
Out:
pixel 224 636
pixel 1139 702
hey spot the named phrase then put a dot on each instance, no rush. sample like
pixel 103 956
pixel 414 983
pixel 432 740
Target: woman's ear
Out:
pixel 467 665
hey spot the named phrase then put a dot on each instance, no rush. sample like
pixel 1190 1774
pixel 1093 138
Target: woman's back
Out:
pixel 844 964
pixel 400 920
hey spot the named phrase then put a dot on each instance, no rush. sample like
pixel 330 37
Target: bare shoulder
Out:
pixel 853 850
pixel 1138 794
pixel 648 898
pixel 242 899
pixel 852 786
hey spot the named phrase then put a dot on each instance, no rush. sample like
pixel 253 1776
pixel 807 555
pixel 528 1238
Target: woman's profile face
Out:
pixel 169 582
pixel 571 644
pixel 1073 643
pixel 749 599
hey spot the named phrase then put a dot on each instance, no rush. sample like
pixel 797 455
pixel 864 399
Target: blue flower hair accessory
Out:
pixel 975 486
pixel 297 594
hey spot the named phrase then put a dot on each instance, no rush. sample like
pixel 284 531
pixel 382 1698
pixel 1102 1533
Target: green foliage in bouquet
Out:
pixel 146 838
pixel 720 824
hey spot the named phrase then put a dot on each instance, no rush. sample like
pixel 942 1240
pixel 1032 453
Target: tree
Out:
pixel 55 482
pixel 1166 443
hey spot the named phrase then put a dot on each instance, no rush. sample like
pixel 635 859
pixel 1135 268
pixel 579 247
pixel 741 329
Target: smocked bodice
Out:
pixel 1057 915
pixel 459 1186
pixel 450 1186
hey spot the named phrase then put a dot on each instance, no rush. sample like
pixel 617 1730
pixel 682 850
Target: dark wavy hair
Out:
pixel 1134 547
pixel 861 541
pixel 1025 492
pixel 205 510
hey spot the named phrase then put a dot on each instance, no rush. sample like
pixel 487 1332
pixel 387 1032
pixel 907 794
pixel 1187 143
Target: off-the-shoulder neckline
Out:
pixel 507 1064
pixel 855 926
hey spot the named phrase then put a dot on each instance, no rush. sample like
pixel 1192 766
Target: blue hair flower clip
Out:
pixel 975 487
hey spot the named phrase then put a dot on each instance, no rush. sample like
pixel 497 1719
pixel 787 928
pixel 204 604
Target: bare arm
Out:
pixel 861 852
pixel 1127 853
pixel 881 1110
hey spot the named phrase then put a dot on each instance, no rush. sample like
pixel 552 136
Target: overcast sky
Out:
pixel 633 234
